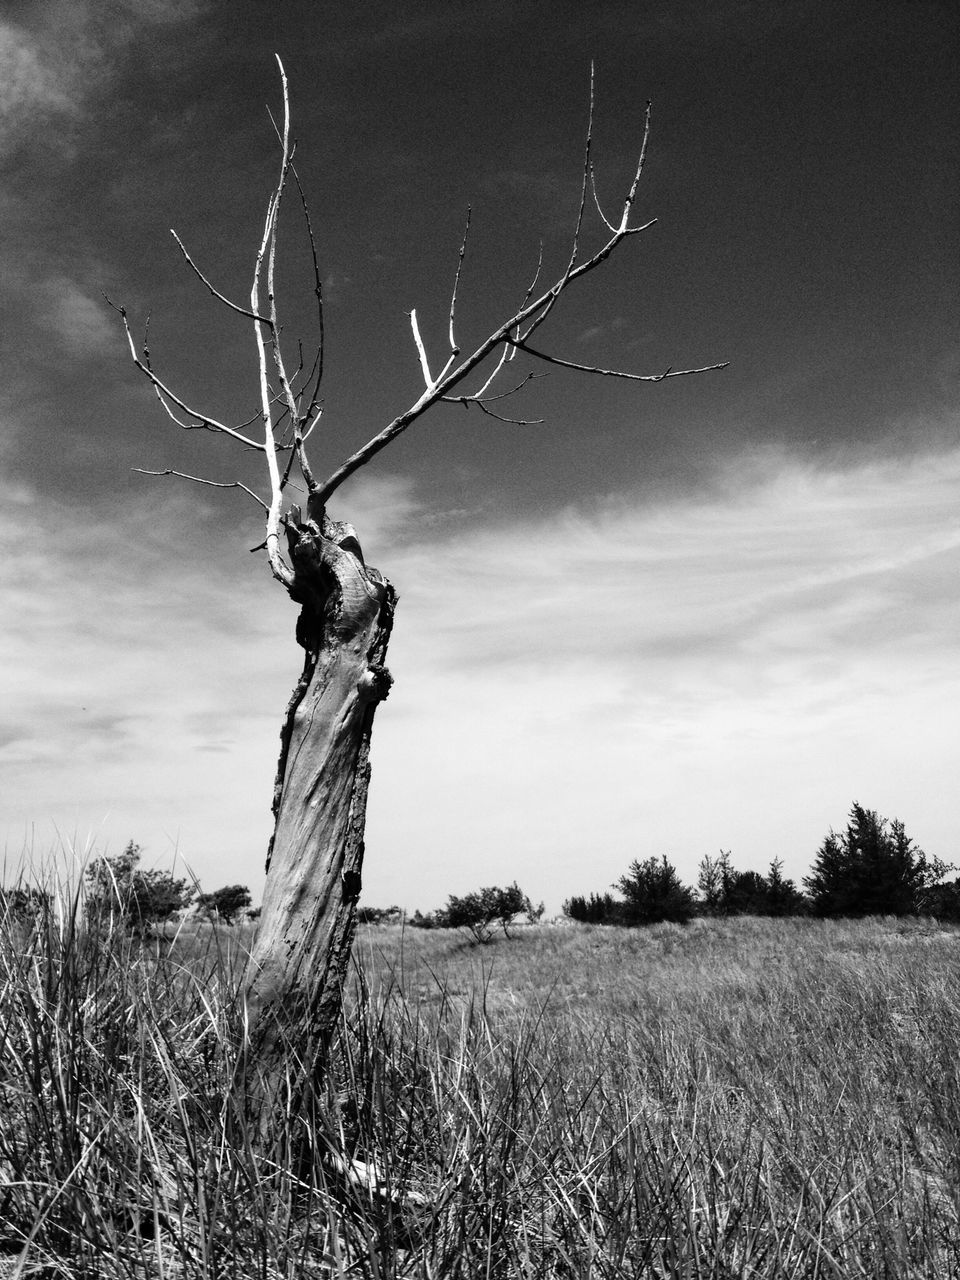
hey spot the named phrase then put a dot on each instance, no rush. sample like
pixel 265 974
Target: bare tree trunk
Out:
pixel 299 959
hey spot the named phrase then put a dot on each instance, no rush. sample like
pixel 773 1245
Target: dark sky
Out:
pixel 803 169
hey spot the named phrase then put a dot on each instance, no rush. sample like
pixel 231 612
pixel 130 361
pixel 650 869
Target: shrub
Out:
pixel 653 892
pixel 872 868
pixel 225 904
pixel 599 908
pixel 724 891
pixel 379 915
pixel 24 903
pixel 943 901
pixel 480 911
pixel 116 889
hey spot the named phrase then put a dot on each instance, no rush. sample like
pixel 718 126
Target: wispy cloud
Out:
pixel 74 315
pixel 30 86
pixel 56 61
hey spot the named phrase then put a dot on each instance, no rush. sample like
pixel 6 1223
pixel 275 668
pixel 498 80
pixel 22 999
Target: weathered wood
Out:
pixel 302 949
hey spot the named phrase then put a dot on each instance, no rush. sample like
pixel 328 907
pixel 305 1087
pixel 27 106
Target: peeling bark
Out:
pixel 299 960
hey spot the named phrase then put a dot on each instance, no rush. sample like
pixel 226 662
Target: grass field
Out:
pixel 758 1098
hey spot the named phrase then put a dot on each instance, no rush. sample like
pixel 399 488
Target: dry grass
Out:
pixel 747 1098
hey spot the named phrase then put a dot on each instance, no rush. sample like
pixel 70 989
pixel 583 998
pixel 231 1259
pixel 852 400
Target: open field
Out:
pixel 758 1098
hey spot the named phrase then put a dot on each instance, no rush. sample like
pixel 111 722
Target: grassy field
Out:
pixel 757 1098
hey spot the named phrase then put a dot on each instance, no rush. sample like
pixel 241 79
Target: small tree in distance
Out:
pixel 117 889
pixel 872 868
pixel 653 892
pixel 479 912
pixel 225 904
pixel 783 896
pixel 722 890
pixel 598 908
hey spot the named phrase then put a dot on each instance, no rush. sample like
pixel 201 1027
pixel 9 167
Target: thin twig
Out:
pixel 216 292
pixel 278 566
pixel 203 420
pixel 476 398
pixel 517 422
pixel 615 373
pixel 456 282
pixel 213 484
pixel 632 193
pixel 596 200
pixel 318 293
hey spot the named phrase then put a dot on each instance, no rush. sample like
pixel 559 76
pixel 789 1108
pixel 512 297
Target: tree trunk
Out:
pixel 299 960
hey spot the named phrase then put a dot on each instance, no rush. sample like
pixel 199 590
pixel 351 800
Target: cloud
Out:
pixel 80 321
pixel 30 87
pixel 664 677
pixel 54 65
pixel 730 668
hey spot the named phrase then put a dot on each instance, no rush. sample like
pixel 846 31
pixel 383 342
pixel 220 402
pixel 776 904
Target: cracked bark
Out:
pixel 300 956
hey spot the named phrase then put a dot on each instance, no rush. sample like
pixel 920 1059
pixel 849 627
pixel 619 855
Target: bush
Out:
pixel 480 911
pixel 599 908
pixel 24 903
pixel 225 904
pixel 379 915
pixel 724 891
pixel 872 868
pixel 116 889
pixel 653 892
pixel 943 902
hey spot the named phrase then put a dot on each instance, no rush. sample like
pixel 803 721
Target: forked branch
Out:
pixel 295 402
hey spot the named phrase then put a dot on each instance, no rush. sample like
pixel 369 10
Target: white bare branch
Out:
pixel 596 200
pixel 213 484
pixel 615 373
pixel 216 292
pixel 297 399
pixel 508 334
pixel 632 193
pixel 456 283
pixel 203 420
pixel 421 350
pixel 517 422
pixel 278 565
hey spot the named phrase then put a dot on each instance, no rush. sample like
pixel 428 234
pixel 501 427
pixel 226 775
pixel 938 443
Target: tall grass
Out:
pixel 748 1098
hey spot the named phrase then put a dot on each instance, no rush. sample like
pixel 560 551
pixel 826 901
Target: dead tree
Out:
pixel 296 970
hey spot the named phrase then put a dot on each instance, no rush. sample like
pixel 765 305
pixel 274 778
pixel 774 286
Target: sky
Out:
pixel 708 613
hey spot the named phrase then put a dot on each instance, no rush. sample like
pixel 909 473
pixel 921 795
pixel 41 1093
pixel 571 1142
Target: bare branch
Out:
pixel 216 292
pixel 449 380
pixel 204 421
pixel 575 248
pixel 615 373
pixel 596 200
pixel 297 399
pixel 286 389
pixel 213 484
pixel 456 283
pixel 477 398
pixel 421 350
pixel 575 245
pixel 518 422
pixel 280 569
pixel 318 293
pixel 632 194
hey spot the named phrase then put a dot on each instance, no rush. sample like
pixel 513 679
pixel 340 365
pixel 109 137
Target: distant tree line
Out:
pixel 117 890
pixel 870 868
